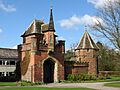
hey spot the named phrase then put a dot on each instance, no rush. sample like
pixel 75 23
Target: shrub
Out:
pixel 81 77
pixel 37 83
pixel 26 83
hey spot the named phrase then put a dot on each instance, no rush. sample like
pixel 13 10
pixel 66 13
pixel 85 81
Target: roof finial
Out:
pixel 86 28
pixel 51 22
pixel 50 4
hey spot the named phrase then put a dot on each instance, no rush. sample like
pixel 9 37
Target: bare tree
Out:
pixel 108 23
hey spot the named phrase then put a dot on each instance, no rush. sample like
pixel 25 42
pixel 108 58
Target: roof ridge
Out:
pixel 8 49
pixel 90 40
pixel 33 27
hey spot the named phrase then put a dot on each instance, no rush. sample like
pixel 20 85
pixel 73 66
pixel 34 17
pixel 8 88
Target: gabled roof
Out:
pixel 35 27
pixel 7 53
pixel 86 42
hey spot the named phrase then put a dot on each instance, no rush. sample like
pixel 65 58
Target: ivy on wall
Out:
pixel 25 63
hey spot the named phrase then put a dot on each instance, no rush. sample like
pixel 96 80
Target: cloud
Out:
pixel 91 20
pixel 7 7
pixel 61 38
pixel 14 47
pixel 75 21
pixel 101 3
pixel 71 22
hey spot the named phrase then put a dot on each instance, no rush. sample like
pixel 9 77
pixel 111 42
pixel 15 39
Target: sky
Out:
pixel 70 18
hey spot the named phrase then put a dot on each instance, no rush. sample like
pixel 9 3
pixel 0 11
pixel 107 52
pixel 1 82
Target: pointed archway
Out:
pixel 49 67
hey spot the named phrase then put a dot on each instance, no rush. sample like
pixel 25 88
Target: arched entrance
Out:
pixel 49 66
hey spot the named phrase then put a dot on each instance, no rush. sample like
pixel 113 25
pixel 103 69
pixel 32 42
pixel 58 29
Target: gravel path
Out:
pixel 97 85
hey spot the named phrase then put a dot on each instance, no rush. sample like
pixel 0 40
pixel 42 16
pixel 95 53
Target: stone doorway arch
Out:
pixel 49 70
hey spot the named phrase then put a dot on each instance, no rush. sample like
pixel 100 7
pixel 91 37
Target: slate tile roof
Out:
pixel 87 42
pixel 35 27
pixel 6 53
pixel 45 27
pixel 38 26
pixel 51 22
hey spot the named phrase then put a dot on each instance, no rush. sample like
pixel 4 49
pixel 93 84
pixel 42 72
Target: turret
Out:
pixel 86 52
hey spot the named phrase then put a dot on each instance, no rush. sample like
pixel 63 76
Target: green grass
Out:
pixel 106 80
pixel 40 88
pixel 111 79
pixel 115 84
pixel 7 83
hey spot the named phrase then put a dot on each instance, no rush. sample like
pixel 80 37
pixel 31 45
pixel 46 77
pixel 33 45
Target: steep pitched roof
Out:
pixel 8 53
pixel 86 42
pixel 35 27
pixel 51 22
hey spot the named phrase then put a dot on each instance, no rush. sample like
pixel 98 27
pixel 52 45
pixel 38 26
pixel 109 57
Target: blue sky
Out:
pixel 70 17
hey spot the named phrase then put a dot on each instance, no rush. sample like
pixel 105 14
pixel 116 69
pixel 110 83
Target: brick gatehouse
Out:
pixel 42 56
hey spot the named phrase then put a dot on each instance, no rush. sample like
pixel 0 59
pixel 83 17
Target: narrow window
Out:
pixel 51 40
pixel 0 74
pixel 0 62
pixel 12 62
pixel 3 62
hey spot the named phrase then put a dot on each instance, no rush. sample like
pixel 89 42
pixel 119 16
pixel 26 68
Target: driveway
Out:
pixel 97 85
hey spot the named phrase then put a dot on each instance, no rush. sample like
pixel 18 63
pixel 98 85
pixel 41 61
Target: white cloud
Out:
pixel 61 38
pixel 7 7
pixel 71 22
pixel 88 20
pixel 75 21
pixel 101 3
pixel 91 20
pixel 14 47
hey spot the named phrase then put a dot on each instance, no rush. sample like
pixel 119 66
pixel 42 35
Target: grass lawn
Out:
pixel 7 83
pixel 40 88
pixel 115 84
pixel 109 80
pixel 104 80
pixel 113 79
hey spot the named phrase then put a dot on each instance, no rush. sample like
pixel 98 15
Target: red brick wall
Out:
pixel 79 70
pixel 71 68
pixel 40 52
pixel 89 56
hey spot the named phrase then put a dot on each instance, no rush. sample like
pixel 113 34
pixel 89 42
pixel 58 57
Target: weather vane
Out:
pixel 86 27
pixel 50 4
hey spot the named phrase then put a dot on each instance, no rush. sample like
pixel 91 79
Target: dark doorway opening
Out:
pixel 49 71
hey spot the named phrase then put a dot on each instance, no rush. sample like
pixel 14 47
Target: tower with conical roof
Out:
pixel 86 52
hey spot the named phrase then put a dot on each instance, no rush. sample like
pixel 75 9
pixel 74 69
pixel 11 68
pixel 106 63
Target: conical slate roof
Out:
pixel 86 42
pixel 51 22
pixel 35 27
